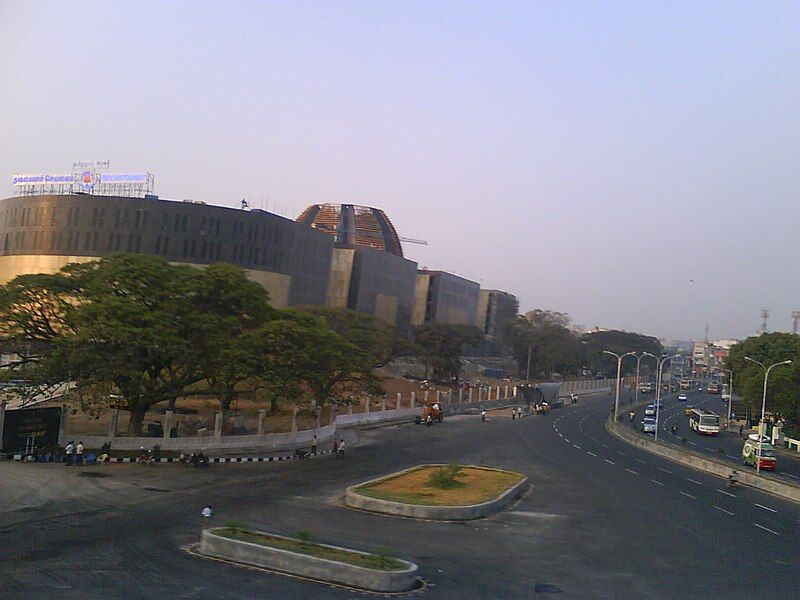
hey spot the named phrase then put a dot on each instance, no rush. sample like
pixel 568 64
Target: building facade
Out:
pixel 368 271
pixel 43 233
pixel 441 297
pixel 494 309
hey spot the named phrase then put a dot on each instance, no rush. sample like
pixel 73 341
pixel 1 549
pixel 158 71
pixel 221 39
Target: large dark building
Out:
pixel 368 272
pixel 42 233
pixel 495 308
pixel 442 297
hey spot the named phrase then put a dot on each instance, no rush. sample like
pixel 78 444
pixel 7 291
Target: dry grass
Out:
pixel 473 485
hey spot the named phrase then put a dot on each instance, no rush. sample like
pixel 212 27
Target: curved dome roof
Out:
pixel 354 225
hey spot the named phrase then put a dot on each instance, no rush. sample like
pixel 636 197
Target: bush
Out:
pixel 235 525
pixel 304 535
pixel 384 556
pixel 445 477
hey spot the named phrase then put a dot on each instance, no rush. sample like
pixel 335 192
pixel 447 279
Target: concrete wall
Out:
pixel 307 566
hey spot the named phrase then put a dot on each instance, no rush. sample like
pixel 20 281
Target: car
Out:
pixel 649 425
pixel 650 411
pixel 682 397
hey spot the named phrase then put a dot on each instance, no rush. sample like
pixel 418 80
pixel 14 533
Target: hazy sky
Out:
pixel 589 157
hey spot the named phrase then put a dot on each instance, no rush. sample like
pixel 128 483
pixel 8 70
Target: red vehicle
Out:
pixel 714 388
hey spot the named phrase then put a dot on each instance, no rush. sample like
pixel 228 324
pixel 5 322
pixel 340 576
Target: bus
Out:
pixel 704 422
pixel 714 388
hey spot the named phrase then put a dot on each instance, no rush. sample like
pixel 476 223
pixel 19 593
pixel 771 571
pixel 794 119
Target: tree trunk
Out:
pixel 137 419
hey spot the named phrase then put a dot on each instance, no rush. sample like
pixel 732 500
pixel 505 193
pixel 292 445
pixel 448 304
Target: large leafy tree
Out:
pixel 783 390
pixel 442 346
pixel 619 342
pixel 544 337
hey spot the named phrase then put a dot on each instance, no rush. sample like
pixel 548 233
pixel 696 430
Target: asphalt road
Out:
pixel 673 413
pixel 602 520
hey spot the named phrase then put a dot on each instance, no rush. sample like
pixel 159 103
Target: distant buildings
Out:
pixel 337 254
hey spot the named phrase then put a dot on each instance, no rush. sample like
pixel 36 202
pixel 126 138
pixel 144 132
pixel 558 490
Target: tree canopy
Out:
pixel 442 346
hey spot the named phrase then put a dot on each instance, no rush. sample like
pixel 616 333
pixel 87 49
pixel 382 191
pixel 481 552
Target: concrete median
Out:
pixel 702 463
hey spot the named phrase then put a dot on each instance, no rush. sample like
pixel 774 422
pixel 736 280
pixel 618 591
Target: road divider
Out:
pixel 702 463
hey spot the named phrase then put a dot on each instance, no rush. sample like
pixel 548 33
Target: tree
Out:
pixel 619 342
pixel 783 390
pixel 543 336
pixel 442 345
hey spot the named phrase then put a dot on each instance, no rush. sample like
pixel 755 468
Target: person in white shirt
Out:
pixel 68 450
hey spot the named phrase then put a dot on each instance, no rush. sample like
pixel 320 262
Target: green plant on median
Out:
pixel 235 525
pixel 304 535
pixel 445 477
pixel 384 556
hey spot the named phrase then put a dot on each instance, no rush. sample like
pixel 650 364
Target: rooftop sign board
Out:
pixel 123 178
pixel 42 179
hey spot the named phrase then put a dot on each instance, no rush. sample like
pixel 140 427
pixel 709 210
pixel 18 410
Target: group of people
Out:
pixel 516 412
pixel 73 454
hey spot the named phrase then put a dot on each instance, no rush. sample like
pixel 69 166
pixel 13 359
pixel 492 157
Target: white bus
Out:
pixel 704 422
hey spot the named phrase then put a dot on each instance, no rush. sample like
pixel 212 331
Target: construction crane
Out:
pixel 412 241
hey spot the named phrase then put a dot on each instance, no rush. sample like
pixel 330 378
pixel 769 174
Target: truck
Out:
pixel 430 408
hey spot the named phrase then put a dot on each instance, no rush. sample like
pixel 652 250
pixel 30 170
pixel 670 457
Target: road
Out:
pixel 602 520
pixel 673 413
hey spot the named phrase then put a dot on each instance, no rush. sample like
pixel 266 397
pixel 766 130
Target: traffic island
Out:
pixel 378 572
pixel 439 492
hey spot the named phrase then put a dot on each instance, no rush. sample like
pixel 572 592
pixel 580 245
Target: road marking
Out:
pixel 609 461
pixel 566 439
pixel 792 476
pixel 639 460
pixel 727 493
pixel 665 471
pixel 688 495
pixel 766 529
pixel 631 471
pixel 620 453
pixel 657 482
pixel 576 445
pixel 591 454
pixel 693 481
pixel 561 435
pixel 604 445
pixel 765 507
pixel 727 512
pixel 692 443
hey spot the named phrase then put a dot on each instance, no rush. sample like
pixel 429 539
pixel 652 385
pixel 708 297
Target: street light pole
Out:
pixel 730 394
pixel 619 372
pixel 528 372
pixel 764 402
pixel 658 386
pixel 638 361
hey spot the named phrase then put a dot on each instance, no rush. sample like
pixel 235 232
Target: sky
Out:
pixel 634 164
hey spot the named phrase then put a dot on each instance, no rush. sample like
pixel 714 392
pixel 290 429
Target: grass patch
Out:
pixel 451 485
pixel 380 560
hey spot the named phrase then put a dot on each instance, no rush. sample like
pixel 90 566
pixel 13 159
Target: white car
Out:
pixel 650 411
pixel 649 425
pixel 682 397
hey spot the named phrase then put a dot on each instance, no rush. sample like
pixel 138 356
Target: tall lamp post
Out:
pixel 764 402
pixel 730 393
pixel 619 358
pixel 639 358
pixel 658 386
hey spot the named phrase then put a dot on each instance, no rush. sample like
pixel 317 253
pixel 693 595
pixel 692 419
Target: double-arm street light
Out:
pixel 639 358
pixel 619 358
pixel 764 402
pixel 658 386
pixel 730 393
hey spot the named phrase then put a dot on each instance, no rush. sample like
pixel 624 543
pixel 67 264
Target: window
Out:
pixel 183 224
pixel 164 222
pixel 94 241
pixel 191 250
pixel 125 215
pixel 138 219
pixel 5 244
pixel 185 247
pixel 177 223
pixel 144 218
pixel 94 216
pixel 110 242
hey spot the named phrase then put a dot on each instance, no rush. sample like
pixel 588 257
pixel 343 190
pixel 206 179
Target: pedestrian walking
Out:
pixel 741 430
pixel 79 454
pixel 335 449
pixel 206 514
pixel 519 412
pixel 513 413
pixel 340 449
pixel 68 450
